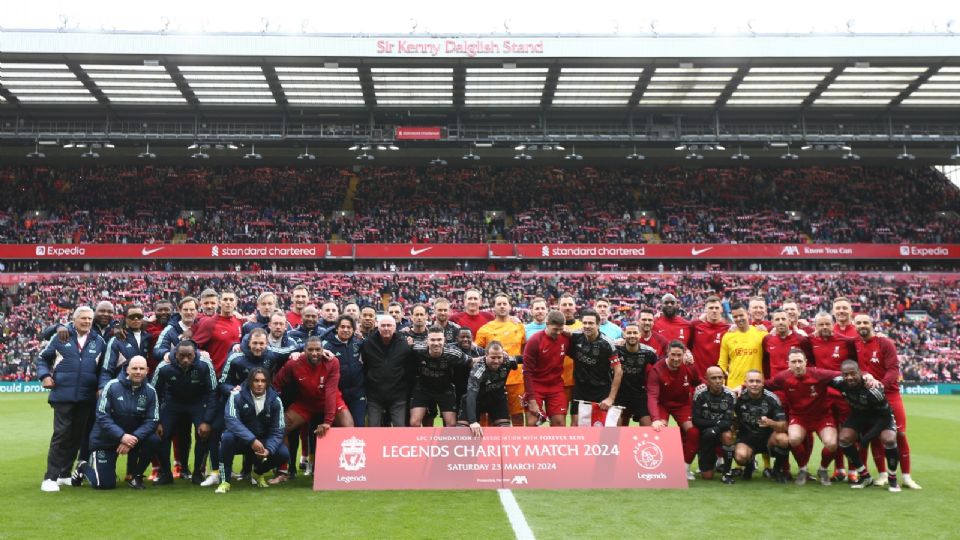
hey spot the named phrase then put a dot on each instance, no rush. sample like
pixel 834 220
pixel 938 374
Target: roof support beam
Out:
pixel 550 85
pixel 732 85
pixel 181 83
pixel 822 87
pixel 912 87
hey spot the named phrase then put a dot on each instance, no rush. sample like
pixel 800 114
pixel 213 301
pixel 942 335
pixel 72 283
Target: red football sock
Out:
pixel 904 447
pixel 876 448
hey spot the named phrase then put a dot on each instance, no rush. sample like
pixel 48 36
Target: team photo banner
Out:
pixel 515 458
pixel 602 252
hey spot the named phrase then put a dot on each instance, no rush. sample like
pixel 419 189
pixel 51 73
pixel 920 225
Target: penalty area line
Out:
pixel 517 520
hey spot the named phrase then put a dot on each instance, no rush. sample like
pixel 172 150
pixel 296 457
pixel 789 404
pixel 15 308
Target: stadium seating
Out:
pixel 930 349
pixel 539 204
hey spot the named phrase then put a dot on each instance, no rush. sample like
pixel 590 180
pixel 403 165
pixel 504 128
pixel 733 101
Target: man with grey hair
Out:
pixel 68 368
pixel 388 372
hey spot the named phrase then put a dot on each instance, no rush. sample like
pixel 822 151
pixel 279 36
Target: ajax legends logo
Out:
pixel 649 456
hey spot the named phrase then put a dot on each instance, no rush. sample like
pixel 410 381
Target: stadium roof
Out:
pixel 892 88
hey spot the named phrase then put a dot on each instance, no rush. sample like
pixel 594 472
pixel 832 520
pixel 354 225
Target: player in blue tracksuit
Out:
pixel 70 368
pixel 132 341
pixel 127 417
pixel 279 344
pixel 343 343
pixel 254 428
pixel 170 336
pixel 187 388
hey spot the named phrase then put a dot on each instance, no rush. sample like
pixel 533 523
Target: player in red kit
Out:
pixel 310 384
pixel 299 299
pixel 543 372
pixel 805 389
pixel 843 313
pixel 829 351
pixel 706 336
pixel 219 333
pixel 471 317
pixel 777 345
pixel 757 308
pixel 670 324
pixel 648 337
pixel 877 355
pixel 670 386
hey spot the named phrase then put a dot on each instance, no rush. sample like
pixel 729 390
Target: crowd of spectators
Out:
pixel 149 204
pixel 920 313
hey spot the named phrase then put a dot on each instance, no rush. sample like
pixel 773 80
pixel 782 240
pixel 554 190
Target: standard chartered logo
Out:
pixel 215 251
pixel 545 251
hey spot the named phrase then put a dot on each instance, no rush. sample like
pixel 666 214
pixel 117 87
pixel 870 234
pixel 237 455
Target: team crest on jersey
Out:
pixel 352 456
pixel 141 402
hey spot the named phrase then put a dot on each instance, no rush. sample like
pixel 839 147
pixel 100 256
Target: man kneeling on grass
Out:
pixel 254 429
pixel 127 417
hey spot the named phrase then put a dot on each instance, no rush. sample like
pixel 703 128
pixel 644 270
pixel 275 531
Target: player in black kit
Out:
pixel 596 365
pixel 434 378
pixel 487 391
pixel 870 417
pixel 761 425
pixel 713 415
pixel 635 359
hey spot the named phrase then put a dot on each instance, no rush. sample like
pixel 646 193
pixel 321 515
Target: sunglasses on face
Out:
pixel 135 316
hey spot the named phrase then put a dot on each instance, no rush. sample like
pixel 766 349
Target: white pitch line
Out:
pixel 519 523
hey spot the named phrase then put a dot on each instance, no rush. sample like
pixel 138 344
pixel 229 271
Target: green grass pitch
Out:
pixel 759 509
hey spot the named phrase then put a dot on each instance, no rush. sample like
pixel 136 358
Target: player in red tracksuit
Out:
pixel 670 324
pixel 543 372
pixel 650 338
pixel 829 351
pixel 670 386
pixel 805 390
pixel 706 335
pixel 877 355
pixel 310 386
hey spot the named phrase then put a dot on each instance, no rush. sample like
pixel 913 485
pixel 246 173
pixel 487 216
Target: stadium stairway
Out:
pixel 179 238
pixel 652 238
pixel 351 192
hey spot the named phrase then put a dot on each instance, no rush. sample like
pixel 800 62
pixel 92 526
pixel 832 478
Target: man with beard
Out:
pixel 417 331
pixel 877 355
pixel 712 414
pixel 670 324
pixel 433 386
pixel 309 326
pixel 511 335
pixel 538 311
pixel 829 352
pixel 486 391
pixel 670 386
pixel 761 427
pixel 648 337
pixel 843 313
pixel 741 348
pixel 636 359
pixel 596 371
pixel 441 318
pixel 329 313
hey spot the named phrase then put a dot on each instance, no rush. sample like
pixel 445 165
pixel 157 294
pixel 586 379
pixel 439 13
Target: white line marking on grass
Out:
pixel 519 523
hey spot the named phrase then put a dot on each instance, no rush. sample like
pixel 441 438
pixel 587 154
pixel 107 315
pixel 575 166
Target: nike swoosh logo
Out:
pixel 415 251
pixel 695 251
pixel 146 251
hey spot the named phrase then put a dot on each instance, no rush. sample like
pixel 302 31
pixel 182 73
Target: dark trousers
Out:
pixel 230 446
pixel 71 425
pixel 171 418
pixel 101 467
pixel 395 412
pixel 357 404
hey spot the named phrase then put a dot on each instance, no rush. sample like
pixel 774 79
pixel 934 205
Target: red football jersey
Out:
pixel 878 357
pixel 776 350
pixel 670 389
pixel 543 361
pixel 705 344
pixel 656 342
pixel 805 395
pixel 217 335
pixel 673 328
